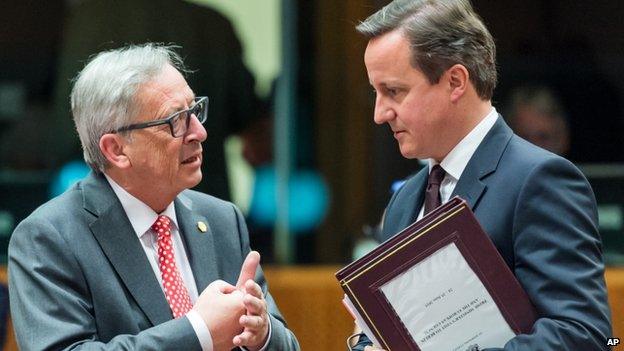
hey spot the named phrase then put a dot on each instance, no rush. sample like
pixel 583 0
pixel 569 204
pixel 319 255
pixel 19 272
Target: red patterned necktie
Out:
pixel 175 291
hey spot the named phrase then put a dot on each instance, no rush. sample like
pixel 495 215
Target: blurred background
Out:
pixel 291 138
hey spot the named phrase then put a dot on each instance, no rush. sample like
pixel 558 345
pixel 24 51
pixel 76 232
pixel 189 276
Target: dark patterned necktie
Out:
pixel 432 193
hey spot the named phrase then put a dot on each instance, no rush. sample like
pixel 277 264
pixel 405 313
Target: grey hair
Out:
pixel 441 33
pixel 103 98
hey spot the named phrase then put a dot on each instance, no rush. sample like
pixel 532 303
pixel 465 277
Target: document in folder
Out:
pixel 440 284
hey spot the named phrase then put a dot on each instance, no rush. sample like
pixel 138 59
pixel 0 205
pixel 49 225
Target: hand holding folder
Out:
pixel 440 284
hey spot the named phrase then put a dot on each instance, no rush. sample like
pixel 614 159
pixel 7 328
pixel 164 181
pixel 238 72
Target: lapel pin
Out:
pixel 201 226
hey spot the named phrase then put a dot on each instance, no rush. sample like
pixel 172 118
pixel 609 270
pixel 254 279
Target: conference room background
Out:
pixel 306 59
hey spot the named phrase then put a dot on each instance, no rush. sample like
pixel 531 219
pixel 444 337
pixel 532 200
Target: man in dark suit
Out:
pixel 129 258
pixel 432 65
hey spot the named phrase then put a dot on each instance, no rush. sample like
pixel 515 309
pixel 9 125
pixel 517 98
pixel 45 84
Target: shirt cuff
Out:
pixel 201 330
pixel 266 344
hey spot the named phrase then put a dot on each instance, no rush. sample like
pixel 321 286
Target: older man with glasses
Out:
pixel 129 258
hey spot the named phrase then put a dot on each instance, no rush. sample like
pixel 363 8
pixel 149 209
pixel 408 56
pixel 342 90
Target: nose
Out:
pixel 383 113
pixel 196 131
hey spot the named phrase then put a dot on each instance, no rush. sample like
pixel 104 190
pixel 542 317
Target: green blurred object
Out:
pixel 607 181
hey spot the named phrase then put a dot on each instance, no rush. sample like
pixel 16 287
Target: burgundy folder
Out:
pixel 452 222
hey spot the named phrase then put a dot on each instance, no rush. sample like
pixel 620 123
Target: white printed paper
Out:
pixel 444 305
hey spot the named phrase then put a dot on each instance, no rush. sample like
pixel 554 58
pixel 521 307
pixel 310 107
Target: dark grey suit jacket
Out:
pixel 80 278
pixel 540 212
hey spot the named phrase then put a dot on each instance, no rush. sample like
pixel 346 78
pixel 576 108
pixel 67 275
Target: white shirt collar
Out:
pixel 140 215
pixel 456 161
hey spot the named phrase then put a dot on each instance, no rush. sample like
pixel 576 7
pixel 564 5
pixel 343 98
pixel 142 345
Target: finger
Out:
pixel 254 289
pixel 226 289
pixel 253 323
pixel 237 293
pixel 248 270
pixel 244 338
pixel 254 305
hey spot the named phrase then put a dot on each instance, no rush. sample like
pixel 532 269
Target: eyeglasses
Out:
pixel 179 121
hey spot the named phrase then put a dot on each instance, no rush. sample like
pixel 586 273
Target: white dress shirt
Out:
pixel 141 218
pixel 456 161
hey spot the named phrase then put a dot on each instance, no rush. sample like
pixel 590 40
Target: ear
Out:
pixel 458 79
pixel 112 146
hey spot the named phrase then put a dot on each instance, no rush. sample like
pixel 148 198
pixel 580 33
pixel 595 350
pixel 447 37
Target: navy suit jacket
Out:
pixel 540 212
pixel 80 279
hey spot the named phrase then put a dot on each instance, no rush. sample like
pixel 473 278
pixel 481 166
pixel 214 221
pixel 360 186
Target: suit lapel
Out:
pixel 415 199
pixel 199 245
pixel 484 161
pixel 119 242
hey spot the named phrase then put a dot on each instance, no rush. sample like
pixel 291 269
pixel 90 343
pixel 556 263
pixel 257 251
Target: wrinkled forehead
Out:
pixel 165 94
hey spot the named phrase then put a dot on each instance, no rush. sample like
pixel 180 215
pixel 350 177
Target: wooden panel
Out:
pixel 615 283
pixel 10 343
pixel 309 298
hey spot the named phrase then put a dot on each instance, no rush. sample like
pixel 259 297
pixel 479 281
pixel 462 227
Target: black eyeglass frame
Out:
pixel 201 117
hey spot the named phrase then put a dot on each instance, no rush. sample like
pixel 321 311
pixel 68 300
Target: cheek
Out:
pixel 422 117
pixel 171 158
pixel 414 115
pixel 161 158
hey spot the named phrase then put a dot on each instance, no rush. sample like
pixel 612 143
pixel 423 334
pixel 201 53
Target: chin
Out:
pixel 196 181
pixel 408 153
pixel 192 180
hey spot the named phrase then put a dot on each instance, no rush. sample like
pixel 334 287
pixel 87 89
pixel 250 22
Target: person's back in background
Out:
pixel 209 46
pixel 536 114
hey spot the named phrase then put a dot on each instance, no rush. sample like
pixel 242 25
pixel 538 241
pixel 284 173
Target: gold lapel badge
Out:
pixel 202 226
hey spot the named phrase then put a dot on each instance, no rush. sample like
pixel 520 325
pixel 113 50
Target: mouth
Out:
pixel 192 159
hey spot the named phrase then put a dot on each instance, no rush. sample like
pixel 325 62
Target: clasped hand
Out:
pixel 236 315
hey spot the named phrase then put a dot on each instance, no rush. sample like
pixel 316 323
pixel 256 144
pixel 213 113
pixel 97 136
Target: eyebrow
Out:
pixel 173 110
pixel 393 82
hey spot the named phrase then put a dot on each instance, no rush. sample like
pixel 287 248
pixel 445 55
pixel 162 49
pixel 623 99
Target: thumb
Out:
pixel 248 270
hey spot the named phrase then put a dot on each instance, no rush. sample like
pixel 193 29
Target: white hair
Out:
pixel 103 98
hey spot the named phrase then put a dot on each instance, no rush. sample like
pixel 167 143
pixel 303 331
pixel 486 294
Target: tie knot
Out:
pixel 162 225
pixel 437 175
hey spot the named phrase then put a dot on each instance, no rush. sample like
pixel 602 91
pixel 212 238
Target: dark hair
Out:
pixel 441 33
